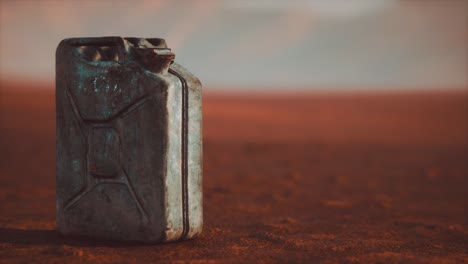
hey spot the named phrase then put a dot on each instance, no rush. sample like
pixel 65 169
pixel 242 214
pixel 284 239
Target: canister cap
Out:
pixel 152 53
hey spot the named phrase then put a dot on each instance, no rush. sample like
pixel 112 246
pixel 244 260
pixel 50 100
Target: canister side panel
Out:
pixel 194 151
pixel 173 176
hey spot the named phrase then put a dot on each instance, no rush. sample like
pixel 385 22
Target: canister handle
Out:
pixel 101 41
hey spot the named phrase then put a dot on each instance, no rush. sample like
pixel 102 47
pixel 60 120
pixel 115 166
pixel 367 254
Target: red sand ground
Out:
pixel 302 178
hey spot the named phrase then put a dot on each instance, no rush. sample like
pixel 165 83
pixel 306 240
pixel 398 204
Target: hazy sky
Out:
pixel 308 44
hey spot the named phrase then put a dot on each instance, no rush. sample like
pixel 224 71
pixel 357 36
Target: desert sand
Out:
pixel 300 177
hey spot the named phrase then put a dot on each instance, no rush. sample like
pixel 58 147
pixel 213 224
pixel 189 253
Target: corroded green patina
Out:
pixel 129 146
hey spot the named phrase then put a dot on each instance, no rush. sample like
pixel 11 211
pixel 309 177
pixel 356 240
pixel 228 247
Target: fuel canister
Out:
pixel 128 141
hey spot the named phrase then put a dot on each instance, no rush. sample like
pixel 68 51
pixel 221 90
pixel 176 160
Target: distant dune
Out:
pixel 362 116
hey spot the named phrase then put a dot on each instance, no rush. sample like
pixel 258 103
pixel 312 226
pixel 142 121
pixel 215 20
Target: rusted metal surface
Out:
pixel 129 144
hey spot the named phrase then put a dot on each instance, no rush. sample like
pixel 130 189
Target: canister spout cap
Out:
pixel 153 53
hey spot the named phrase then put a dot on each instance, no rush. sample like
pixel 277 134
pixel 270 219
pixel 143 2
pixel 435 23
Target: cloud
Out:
pixel 189 22
pixel 271 37
pixel 339 9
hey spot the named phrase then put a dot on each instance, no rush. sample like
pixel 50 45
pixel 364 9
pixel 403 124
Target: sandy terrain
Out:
pixel 355 177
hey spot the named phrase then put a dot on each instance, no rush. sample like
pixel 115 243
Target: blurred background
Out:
pixel 333 130
pixel 259 45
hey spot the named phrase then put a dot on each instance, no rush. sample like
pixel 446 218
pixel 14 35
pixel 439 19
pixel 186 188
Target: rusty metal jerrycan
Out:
pixel 129 142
